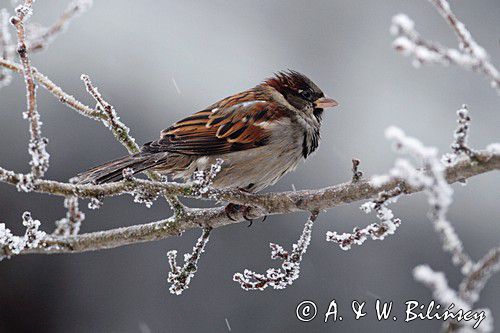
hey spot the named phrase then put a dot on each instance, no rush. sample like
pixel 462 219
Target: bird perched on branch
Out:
pixel 260 134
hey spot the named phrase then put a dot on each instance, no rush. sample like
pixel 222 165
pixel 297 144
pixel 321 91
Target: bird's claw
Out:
pixel 235 209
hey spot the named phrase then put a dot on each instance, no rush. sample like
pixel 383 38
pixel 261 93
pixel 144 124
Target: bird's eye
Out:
pixel 306 94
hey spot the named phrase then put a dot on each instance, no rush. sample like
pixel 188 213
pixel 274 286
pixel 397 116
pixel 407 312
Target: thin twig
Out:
pixel 280 278
pixel 180 277
pixel 356 173
pixel 39 156
pixel 122 134
pixel 469 55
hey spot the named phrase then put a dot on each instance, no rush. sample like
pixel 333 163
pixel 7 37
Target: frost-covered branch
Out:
pixel 280 278
pixel 377 231
pixel 70 225
pixel 122 134
pixel 459 145
pixel 433 178
pixel 451 299
pixel 180 277
pixel 436 187
pixel 469 54
pixel 37 146
pixel 268 204
pixel 12 245
pixel 112 121
pixel 479 275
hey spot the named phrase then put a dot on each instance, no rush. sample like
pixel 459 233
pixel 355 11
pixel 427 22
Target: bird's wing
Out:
pixel 236 123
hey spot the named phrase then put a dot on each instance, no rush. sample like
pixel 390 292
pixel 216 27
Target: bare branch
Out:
pixel 356 174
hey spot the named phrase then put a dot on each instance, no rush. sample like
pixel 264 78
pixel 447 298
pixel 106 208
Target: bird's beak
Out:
pixel 325 102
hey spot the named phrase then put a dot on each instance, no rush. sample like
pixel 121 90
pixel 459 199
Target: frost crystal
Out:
pixel 377 231
pixel 11 244
pixel 143 196
pixel 180 277
pixel 290 268
pixel 70 225
pixel 203 180
pixel 25 183
pixel 95 203
pixel 469 54
pixel 401 22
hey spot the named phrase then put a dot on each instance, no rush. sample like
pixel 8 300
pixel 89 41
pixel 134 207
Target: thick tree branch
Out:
pixel 266 204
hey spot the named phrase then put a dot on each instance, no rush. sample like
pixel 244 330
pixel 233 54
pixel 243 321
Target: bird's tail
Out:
pixel 113 171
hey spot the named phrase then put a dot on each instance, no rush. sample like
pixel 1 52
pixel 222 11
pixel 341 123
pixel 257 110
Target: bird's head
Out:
pixel 303 94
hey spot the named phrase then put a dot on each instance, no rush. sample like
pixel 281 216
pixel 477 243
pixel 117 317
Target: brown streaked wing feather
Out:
pixel 227 126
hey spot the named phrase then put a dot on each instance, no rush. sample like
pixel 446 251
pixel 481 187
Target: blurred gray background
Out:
pixel 134 50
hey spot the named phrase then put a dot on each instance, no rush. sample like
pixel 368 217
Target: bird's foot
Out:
pixel 233 210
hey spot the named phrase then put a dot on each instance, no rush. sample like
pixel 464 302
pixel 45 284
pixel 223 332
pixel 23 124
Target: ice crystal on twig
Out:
pixel 180 277
pixel 145 196
pixel 459 145
pixel 377 231
pixel 290 268
pixel 12 245
pixel 112 121
pixel 70 225
pixel 95 203
pixel 203 180
pixel 25 183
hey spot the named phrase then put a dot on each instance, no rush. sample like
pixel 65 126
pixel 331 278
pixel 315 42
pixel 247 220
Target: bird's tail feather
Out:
pixel 113 171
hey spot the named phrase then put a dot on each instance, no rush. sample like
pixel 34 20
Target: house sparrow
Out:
pixel 260 134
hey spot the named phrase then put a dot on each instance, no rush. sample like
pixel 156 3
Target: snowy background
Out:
pixel 134 52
